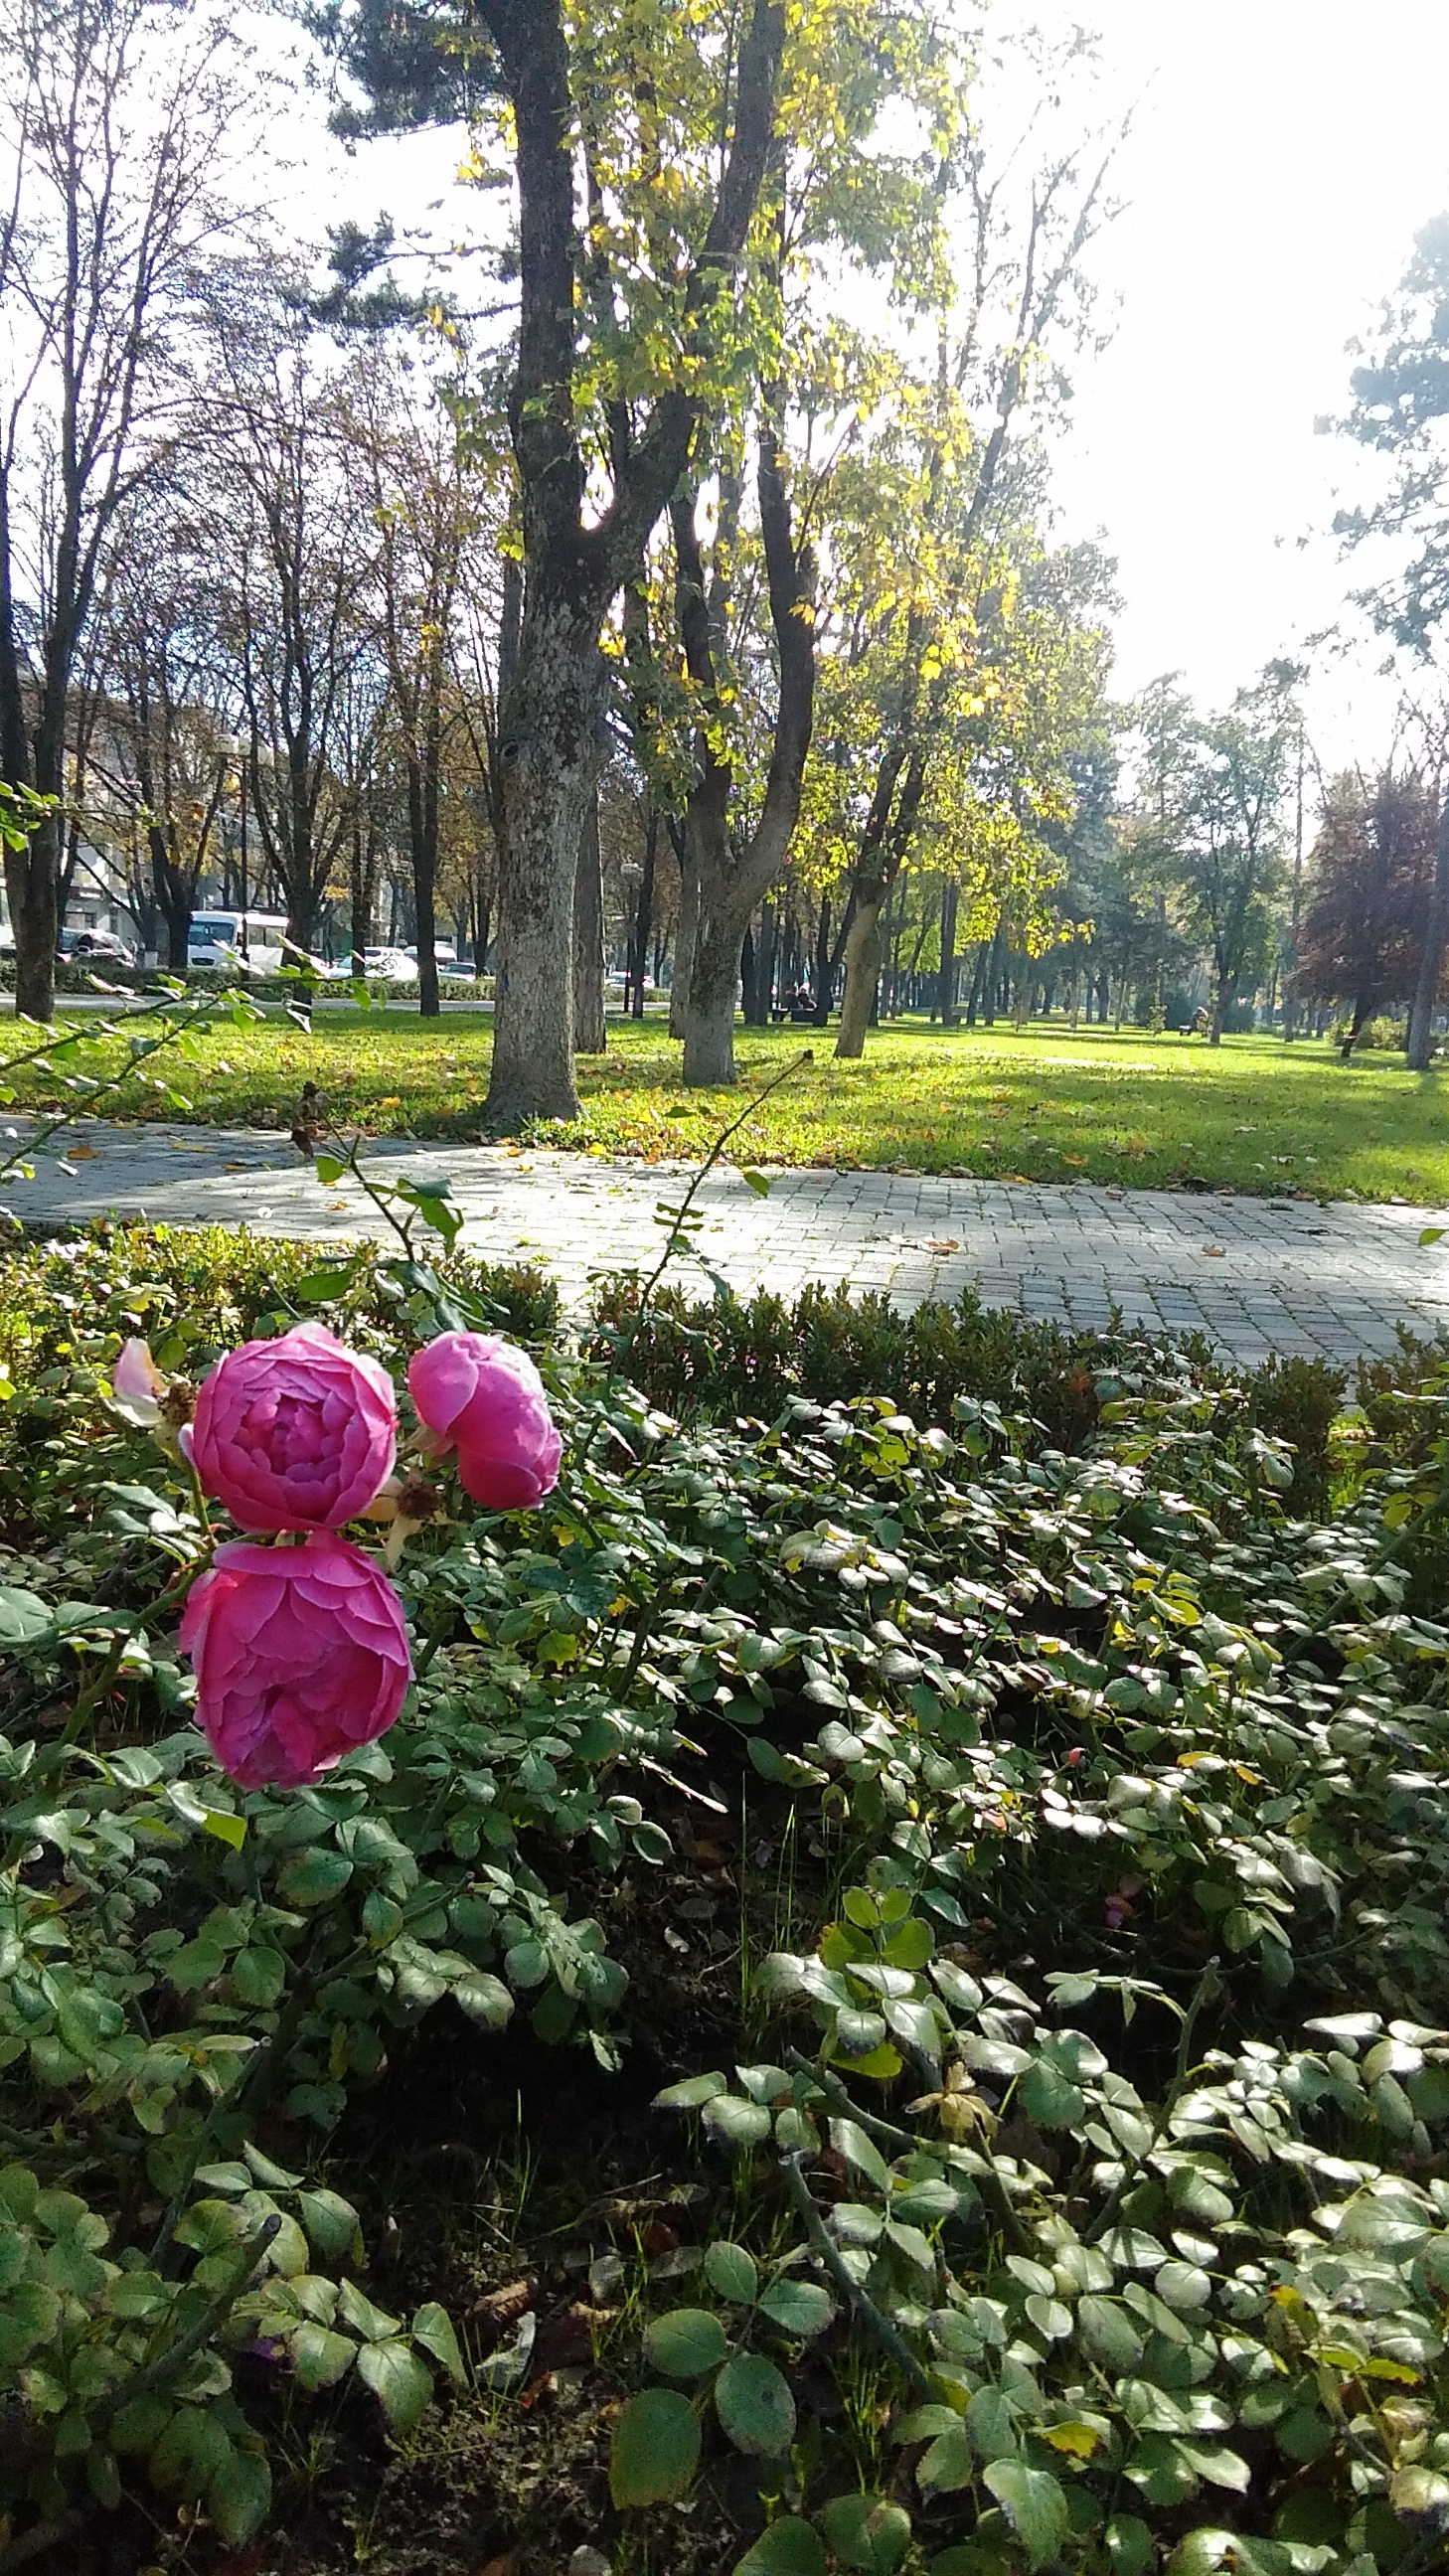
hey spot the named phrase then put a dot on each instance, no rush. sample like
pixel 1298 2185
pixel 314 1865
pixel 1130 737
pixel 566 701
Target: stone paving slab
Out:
pixel 1255 1275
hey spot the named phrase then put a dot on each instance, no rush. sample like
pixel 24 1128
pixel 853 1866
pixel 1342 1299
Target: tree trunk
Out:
pixel 1361 1009
pixel 709 1036
pixel 173 897
pixel 862 974
pixel 749 967
pixel 765 967
pixel 822 963
pixel 950 902
pixel 644 915
pixel 549 752
pixel 1431 958
pixel 423 852
pixel 30 885
pixel 357 901
pixel 590 1036
pixel 684 934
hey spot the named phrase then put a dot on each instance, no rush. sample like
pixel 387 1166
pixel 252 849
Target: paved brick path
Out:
pixel 1256 1275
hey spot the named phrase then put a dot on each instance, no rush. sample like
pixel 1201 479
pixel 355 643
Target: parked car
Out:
pixel 390 966
pixel 103 946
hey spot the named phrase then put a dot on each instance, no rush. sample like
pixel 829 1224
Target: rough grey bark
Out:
pixel 714 986
pixel 548 738
pixel 590 1036
pixel 862 975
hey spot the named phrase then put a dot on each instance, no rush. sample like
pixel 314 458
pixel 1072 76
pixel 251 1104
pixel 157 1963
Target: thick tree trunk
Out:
pixel 30 885
pixel 175 902
pixel 862 973
pixel 549 751
pixel 709 1036
pixel 1431 957
pixel 590 1035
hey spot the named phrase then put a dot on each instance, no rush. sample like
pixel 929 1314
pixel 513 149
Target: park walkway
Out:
pixel 1255 1275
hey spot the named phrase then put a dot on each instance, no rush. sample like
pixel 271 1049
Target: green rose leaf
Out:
pixel 1129 2545
pixel 23 1617
pixel 685 2343
pixel 865 2532
pixel 319 2357
pixel 655 2448
pixel 753 2402
pixel 1035 2505
pixel 258 1975
pixel 433 2329
pixel 1048 2095
pixel 692 2094
pixel 732 2273
pixel 330 2222
pixel 788 2548
pixel 239 2497
pixel 400 2382
pixel 850 2140
pixel 950 2463
pixel 798 2307
pixel 313 1876
pixel 731 2116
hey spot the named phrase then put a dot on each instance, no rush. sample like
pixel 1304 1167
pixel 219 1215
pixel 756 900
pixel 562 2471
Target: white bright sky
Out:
pixel 1282 157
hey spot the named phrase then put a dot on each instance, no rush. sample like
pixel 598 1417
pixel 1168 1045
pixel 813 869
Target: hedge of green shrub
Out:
pixel 727 1355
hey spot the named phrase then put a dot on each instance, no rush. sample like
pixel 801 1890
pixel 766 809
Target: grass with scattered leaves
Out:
pixel 1047 1104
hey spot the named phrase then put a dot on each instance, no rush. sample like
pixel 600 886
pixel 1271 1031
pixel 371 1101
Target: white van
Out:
pixel 215 939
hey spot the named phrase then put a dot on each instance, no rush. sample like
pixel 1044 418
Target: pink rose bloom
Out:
pixel 484 1398
pixel 295 1434
pixel 300 1653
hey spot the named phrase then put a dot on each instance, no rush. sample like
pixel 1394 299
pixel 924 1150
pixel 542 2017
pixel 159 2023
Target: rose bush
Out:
pixel 294 1434
pixel 301 1654
pixel 483 1397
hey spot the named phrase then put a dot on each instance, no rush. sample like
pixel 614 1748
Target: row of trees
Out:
pixel 675 572
pixel 671 576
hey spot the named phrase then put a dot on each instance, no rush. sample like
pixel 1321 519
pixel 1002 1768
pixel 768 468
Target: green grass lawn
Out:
pixel 1049 1104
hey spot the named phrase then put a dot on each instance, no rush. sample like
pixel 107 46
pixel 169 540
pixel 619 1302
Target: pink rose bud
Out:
pixel 295 1434
pixel 137 1384
pixel 483 1397
pixel 300 1653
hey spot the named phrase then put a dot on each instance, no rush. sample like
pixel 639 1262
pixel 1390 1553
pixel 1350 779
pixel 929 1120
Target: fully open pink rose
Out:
pixel 484 1398
pixel 295 1434
pixel 300 1653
